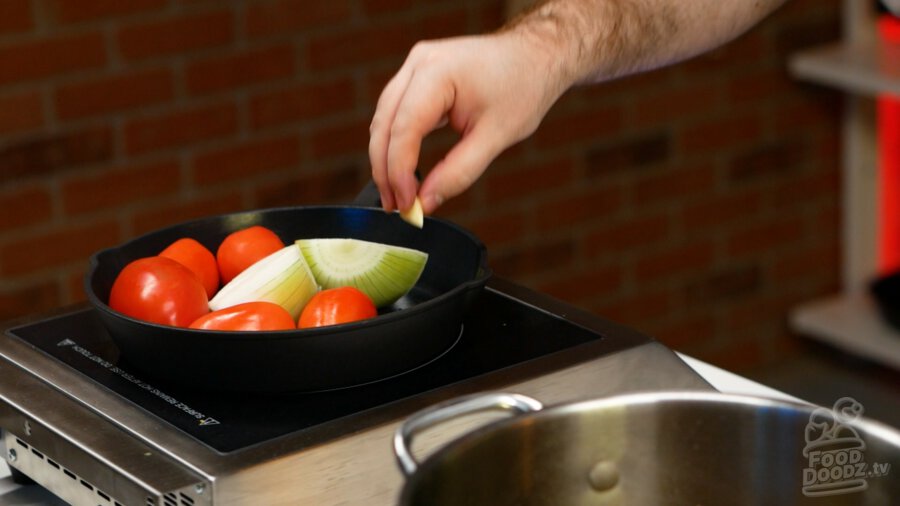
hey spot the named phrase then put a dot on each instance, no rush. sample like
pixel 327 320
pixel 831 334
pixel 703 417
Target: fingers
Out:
pixel 462 166
pixel 421 98
pixel 423 107
pixel 379 133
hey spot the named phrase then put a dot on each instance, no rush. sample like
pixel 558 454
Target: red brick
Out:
pixel 17 301
pixel 435 146
pixel 581 287
pixel 21 112
pixel 627 235
pixel 638 310
pixel 812 112
pixel 724 284
pixel 460 205
pixel 76 11
pixel 800 9
pixel 530 259
pixel 74 287
pixel 164 215
pixel 684 331
pixel 803 32
pixel 376 81
pixel 586 206
pixel 245 160
pixel 57 247
pixel 790 345
pixel 675 184
pixel 114 93
pixel 363 45
pixel 763 309
pixel 531 179
pixel 240 69
pixel 812 262
pixel 342 139
pixel 765 236
pixel 760 85
pixel 116 188
pixel 55 153
pixel 180 128
pixel 678 261
pixel 302 102
pixel 719 211
pixel 24 205
pixel 736 356
pixel 375 7
pixel 15 16
pixel 489 16
pixel 499 228
pixel 751 47
pixel 52 56
pixel 722 134
pixel 636 84
pixel 825 221
pixel 677 102
pixel 293 16
pixel 175 35
pixel 574 128
pixel 621 156
pixel 324 186
pixel 815 185
pixel 826 147
pixel 443 25
pixel 768 160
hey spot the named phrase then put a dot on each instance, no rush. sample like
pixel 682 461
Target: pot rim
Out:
pixel 871 427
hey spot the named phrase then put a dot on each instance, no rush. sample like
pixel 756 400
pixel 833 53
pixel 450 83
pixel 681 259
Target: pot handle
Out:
pixel 455 408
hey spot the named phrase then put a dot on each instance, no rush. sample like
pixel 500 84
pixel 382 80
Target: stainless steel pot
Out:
pixel 671 448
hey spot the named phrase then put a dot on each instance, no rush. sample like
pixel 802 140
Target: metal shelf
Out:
pixel 863 69
pixel 851 322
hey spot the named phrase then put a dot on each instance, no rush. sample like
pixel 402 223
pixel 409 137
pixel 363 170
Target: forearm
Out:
pixel 598 40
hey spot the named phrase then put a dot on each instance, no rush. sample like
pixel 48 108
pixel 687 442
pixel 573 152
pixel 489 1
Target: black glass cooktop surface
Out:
pixel 500 332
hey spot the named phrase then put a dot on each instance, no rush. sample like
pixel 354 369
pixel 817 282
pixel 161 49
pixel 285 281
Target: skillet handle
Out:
pixel 455 408
pixel 368 196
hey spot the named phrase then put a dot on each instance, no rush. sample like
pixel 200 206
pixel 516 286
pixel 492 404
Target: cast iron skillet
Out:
pixel 415 330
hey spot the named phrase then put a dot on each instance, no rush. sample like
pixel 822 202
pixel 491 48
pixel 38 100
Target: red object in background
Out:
pixel 888 184
pixel 889 163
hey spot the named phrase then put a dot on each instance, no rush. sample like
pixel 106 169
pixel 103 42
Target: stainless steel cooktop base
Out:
pixel 92 447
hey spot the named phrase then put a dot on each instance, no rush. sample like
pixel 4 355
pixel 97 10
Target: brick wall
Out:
pixel 698 203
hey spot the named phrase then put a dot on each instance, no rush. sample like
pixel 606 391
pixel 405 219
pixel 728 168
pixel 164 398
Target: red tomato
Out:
pixel 247 316
pixel 198 259
pixel 159 290
pixel 244 248
pixel 336 305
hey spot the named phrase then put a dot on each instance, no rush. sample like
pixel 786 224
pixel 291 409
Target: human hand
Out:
pixel 492 89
